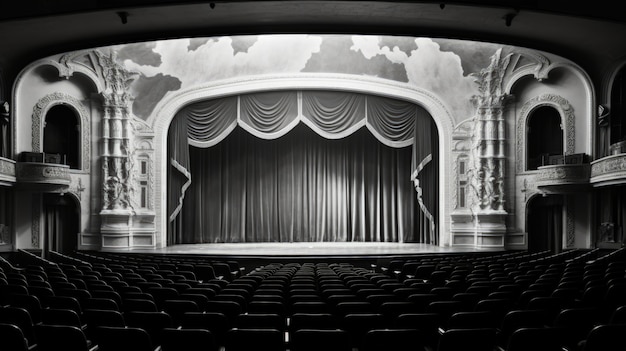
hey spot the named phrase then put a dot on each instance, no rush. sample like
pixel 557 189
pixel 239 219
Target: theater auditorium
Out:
pixel 312 175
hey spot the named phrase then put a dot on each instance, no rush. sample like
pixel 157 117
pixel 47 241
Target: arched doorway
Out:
pixel 61 223
pixel 545 136
pixel 61 136
pixel 544 223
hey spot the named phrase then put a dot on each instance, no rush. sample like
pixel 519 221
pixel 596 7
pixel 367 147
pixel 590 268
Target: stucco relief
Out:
pixel 566 111
pixel 38 119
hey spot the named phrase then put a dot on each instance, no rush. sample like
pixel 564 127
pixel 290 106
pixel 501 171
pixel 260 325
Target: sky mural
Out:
pixel 440 66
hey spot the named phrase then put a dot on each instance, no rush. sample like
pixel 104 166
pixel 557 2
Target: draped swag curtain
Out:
pixel 261 175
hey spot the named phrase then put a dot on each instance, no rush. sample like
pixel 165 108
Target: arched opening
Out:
pixel 544 137
pixel 544 223
pixel 61 223
pixel 278 162
pixel 61 136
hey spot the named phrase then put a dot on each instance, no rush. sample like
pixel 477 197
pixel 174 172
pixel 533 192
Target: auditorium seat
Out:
pixel 102 318
pixel 12 338
pixel 516 319
pixel 30 303
pixel 152 322
pixel 143 305
pixel 123 339
pixel 474 339
pixel 576 323
pixel 254 339
pixel 273 307
pixel 605 337
pixel 358 324
pixel 426 323
pixel 100 303
pixel 320 339
pixel 261 321
pixel 69 338
pixel 473 319
pixel 61 316
pixel 176 308
pixel 21 318
pixel 174 339
pixel 317 320
pixel 536 339
pixel 393 339
pixel 217 323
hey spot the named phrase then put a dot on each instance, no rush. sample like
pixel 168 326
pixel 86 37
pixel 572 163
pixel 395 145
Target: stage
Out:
pixel 308 249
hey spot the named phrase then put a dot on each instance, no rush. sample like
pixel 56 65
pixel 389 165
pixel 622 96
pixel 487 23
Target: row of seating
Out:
pixel 496 297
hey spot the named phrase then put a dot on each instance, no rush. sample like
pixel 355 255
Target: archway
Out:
pixel 61 223
pixel 544 223
pixel 165 111
pixel 545 136
pixel 61 136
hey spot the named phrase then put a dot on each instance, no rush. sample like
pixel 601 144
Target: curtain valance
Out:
pixel 331 114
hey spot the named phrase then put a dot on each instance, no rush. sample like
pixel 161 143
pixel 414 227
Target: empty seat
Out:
pixel 605 337
pixel 393 339
pixel 123 339
pixel 475 339
pixel 261 321
pixel 12 337
pixel 535 339
pixel 217 323
pixel 254 339
pixel 174 339
pixel 65 337
pixel 320 339
pixel 313 321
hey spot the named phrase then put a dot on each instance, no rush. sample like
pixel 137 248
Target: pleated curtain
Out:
pixel 260 175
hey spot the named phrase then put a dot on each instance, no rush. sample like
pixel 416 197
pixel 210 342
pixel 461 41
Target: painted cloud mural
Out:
pixel 440 66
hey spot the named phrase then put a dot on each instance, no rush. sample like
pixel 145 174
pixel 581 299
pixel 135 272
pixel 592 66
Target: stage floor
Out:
pixel 321 249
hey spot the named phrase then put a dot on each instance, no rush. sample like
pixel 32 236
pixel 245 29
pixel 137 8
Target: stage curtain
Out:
pixel 178 175
pixel 269 115
pixel 209 122
pixel 331 115
pixel 300 188
pixel 392 121
pixel 425 165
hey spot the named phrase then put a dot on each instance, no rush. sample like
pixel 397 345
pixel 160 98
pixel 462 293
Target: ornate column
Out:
pixel 487 156
pixel 117 154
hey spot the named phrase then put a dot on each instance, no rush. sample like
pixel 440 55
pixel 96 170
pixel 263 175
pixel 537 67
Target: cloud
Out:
pixel 341 54
pixel 217 59
pixel 141 53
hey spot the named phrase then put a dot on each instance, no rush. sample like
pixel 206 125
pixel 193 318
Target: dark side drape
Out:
pixel 352 175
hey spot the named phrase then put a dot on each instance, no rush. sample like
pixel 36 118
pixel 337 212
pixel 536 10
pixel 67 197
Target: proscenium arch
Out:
pixel 168 107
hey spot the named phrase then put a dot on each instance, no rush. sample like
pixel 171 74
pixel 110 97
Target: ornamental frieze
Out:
pixel 557 174
pixel 607 165
pixel 7 167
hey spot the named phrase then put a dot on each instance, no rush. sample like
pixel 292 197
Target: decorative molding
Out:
pixel 610 169
pixel 42 173
pixel 77 188
pixel 36 221
pixel 7 170
pixel 486 168
pixel 41 109
pixel 562 174
pixel 566 111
